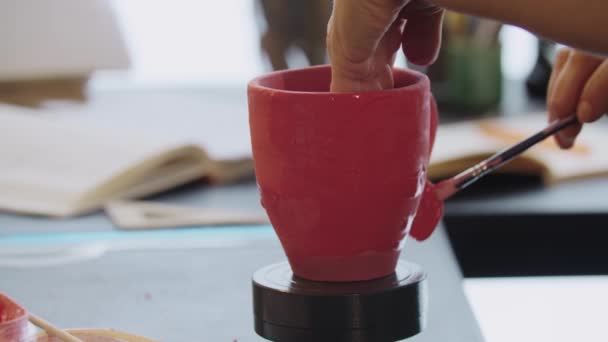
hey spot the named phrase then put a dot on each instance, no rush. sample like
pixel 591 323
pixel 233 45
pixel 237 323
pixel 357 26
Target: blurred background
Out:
pixel 180 68
pixel 196 45
pixel 187 43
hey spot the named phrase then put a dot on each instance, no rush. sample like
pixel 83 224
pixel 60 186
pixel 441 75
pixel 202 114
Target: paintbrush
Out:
pixel 449 187
pixel 430 210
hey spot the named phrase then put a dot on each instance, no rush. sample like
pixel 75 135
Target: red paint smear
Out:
pixel 3 312
pixel 9 310
pixel 13 320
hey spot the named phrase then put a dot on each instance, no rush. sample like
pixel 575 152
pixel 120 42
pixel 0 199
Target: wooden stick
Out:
pixel 52 330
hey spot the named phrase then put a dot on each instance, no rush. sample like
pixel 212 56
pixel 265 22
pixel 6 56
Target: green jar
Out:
pixel 467 76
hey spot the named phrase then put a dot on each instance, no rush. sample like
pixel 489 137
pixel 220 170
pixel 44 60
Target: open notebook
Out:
pixel 461 145
pixel 61 167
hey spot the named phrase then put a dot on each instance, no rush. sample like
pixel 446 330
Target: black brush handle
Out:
pixel 474 173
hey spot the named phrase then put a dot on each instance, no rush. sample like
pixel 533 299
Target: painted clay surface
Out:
pixel 341 175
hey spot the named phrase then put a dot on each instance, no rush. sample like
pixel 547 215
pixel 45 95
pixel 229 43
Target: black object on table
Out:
pixel 508 225
pixel 291 309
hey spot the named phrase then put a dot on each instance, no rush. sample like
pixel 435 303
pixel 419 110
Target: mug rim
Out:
pixel 421 81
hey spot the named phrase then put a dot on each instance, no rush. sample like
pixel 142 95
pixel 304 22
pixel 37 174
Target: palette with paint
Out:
pixel 96 335
pixel 15 327
pixel 14 324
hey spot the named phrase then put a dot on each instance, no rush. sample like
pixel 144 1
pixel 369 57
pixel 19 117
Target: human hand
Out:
pixel 579 83
pixel 365 35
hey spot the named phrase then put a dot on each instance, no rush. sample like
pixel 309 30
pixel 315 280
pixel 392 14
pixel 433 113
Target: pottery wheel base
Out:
pixel 291 309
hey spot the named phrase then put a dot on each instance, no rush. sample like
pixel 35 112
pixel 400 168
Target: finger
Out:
pixel 594 99
pixel 360 25
pixel 422 36
pixel 560 60
pixel 568 87
pixel 355 30
pixel 384 58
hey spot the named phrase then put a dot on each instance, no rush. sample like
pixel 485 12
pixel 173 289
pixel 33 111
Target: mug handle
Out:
pixel 430 209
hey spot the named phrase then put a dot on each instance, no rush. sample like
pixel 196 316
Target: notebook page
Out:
pixel 56 160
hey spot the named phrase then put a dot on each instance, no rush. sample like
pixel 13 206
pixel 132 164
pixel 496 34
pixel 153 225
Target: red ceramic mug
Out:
pixel 342 175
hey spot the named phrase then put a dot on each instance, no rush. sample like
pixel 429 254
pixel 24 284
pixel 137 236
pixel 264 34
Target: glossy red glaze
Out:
pixel 430 209
pixel 13 321
pixel 341 174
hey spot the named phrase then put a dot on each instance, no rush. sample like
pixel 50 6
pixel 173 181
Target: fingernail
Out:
pixel 584 112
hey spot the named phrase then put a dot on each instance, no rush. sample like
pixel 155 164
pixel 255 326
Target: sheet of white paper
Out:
pixel 59 38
